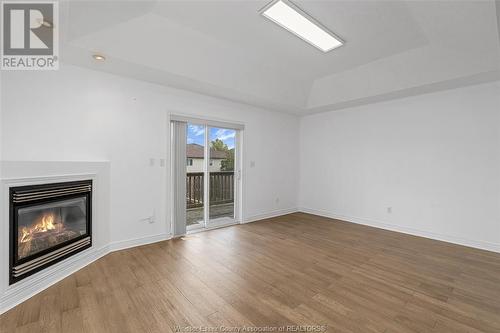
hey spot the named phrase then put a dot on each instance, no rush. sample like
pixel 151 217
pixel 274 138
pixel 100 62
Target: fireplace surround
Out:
pixel 47 223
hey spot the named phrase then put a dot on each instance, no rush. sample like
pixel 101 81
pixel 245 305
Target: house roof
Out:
pixel 194 150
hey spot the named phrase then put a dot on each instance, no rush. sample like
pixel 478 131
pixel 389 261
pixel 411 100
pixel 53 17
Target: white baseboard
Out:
pixel 38 282
pixel 482 245
pixel 270 214
pixel 126 244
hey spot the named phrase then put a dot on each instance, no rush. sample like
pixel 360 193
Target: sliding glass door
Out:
pixel 195 176
pixel 221 175
pixel 211 182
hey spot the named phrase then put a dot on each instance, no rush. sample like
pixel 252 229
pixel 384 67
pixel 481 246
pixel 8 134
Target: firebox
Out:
pixel 48 223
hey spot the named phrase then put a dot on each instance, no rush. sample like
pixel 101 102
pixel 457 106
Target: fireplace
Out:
pixel 48 223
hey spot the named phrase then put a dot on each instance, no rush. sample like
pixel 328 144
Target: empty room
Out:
pixel 250 166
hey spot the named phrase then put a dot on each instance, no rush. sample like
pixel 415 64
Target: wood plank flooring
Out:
pixel 297 269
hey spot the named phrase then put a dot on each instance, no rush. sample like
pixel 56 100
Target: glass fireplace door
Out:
pixel 48 225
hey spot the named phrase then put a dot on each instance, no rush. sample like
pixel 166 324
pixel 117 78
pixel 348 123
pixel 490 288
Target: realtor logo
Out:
pixel 29 36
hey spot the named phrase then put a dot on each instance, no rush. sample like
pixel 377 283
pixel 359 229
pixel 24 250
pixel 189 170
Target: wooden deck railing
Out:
pixel 221 188
pixel 194 189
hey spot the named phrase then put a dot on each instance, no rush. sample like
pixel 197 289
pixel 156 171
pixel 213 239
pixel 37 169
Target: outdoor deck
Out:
pixel 194 215
pixel 221 195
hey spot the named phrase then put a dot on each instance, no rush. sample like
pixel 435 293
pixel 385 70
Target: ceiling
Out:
pixel 226 49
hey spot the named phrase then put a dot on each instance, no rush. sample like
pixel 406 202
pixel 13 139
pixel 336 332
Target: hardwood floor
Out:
pixel 297 269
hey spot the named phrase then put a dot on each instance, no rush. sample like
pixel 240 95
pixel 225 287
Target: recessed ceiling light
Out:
pixel 293 19
pixel 98 57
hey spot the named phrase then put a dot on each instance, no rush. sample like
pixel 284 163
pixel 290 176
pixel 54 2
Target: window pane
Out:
pixel 195 154
pixel 221 172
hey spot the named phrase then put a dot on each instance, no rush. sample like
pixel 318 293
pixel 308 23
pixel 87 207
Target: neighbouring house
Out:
pixel 195 155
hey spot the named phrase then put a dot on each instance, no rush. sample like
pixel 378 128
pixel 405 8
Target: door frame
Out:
pixel 238 171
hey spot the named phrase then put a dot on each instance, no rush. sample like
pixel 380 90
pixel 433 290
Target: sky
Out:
pixel 196 134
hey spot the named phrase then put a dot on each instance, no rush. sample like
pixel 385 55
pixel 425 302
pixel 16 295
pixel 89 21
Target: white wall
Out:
pixel 435 159
pixel 76 114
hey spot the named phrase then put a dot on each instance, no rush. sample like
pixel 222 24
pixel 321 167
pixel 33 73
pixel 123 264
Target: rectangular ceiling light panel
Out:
pixel 290 17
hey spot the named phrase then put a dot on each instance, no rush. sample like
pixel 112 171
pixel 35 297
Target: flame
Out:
pixel 47 222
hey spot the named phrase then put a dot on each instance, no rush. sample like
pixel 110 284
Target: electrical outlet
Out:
pixel 151 161
pixel 389 210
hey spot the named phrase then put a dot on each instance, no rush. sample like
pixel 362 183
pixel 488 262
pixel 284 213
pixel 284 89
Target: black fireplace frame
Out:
pixel 62 191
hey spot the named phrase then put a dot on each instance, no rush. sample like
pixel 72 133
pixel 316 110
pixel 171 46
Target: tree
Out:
pixel 227 164
pixel 219 145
